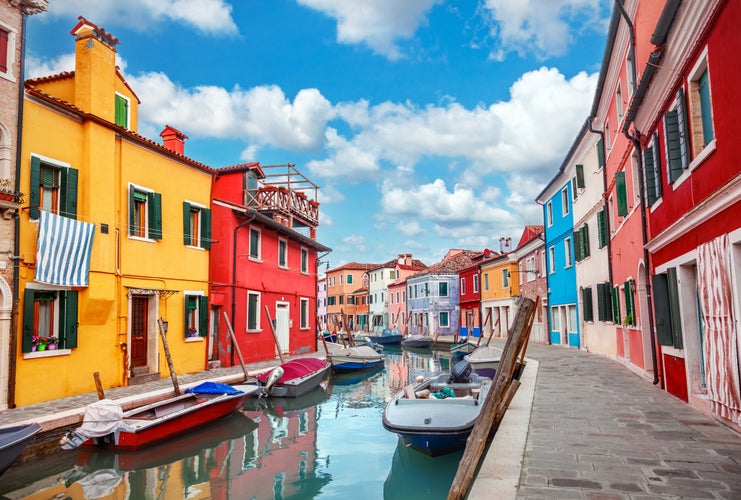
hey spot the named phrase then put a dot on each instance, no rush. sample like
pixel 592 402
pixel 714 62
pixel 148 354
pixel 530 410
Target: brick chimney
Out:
pixel 95 69
pixel 173 139
pixel 408 259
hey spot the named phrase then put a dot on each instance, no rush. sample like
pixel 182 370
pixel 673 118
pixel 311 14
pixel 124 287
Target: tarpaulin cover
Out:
pixel 213 388
pixel 296 368
pixel 101 418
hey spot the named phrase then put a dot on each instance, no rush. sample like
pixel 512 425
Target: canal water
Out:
pixel 329 443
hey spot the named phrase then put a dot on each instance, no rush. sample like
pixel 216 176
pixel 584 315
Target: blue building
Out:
pixel 557 200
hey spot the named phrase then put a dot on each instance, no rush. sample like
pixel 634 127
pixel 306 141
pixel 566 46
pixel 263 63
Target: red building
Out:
pixel 469 297
pixel 530 253
pixel 685 118
pixel 263 262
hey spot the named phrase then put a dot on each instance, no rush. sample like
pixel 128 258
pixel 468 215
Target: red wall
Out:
pixel 675 377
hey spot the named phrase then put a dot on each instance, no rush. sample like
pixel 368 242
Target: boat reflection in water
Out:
pixel 414 475
pixel 328 443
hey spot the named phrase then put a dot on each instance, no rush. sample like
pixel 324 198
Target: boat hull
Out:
pixel 385 339
pixel 13 440
pixel 186 413
pixel 351 365
pixel 302 376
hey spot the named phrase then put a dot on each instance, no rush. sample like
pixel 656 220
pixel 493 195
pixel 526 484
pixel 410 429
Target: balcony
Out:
pixel 286 195
pixel 10 200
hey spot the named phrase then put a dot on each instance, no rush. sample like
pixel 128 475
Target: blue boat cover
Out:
pixel 213 388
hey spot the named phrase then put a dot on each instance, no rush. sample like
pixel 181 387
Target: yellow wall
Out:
pixel 497 289
pixel 106 164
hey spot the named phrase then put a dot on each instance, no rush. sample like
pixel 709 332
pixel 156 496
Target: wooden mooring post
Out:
pixel 496 402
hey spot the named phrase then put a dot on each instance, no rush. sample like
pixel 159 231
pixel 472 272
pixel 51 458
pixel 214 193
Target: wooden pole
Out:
pixel 350 338
pixel 483 326
pixel 236 345
pixel 324 341
pixel 98 386
pixel 492 331
pixel 275 335
pixel 494 406
pixel 163 336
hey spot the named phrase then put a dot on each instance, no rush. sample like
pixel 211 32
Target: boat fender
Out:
pixel 273 378
pixel 423 394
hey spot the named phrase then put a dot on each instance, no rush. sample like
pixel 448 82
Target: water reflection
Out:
pixel 330 443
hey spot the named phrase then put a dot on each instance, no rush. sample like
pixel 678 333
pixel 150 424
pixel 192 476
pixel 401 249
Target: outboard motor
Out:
pixel 273 378
pixel 460 373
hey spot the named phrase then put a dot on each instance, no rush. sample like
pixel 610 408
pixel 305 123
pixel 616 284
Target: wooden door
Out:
pixel 139 322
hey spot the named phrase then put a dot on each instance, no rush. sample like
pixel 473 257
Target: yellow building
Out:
pixel 114 236
pixel 499 287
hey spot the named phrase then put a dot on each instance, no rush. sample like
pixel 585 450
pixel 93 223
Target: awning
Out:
pixel 64 247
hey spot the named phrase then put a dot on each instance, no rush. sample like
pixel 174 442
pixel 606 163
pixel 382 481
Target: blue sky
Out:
pixel 428 124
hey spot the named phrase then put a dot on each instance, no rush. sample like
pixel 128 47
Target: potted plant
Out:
pixel 191 332
pixel 6 190
pixel 628 320
pixel 51 343
pixel 38 343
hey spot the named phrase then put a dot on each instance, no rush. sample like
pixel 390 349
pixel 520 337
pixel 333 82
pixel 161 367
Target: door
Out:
pixel 282 326
pixel 213 334
pixel 139 323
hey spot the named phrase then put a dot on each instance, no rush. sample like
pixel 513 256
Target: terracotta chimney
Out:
pixel 173 139
pixel 408 259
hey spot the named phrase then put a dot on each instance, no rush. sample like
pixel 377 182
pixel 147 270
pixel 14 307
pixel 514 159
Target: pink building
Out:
pixel 405 266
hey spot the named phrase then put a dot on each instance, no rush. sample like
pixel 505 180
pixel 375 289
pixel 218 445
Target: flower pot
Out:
pixel 33 348
pixel 51 347
pixel 41 347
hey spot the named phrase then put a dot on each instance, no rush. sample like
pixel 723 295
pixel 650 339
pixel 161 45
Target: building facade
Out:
pixel 530 255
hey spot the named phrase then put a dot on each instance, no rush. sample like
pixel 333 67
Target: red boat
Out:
pixel 292 379
pixel 106 426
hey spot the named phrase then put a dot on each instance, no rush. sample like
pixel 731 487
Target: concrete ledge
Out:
pixel 499 475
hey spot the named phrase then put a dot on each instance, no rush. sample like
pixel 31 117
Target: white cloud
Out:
pixel 36 67
pixel 409 228
pixel 353 244
pixel 545 27
pixel 210 17
pixel 378 23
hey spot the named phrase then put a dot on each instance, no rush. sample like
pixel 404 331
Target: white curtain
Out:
pixel 720 337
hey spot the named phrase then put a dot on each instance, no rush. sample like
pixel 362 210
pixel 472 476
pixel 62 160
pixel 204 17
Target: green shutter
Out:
pixel 622 194
pixel 122 112
pixel 28 299
pixel 616 305
pixel 587 303
pixel 585 240
pixel 186 312
pixel 602 228
pixel 628 293
pixel 132 195
pixel 33 197
pixel 580 176
pixel 186 223
pixel 577 245
pixel 604 301
pixel 203 315
pixel 676 319
pixel 601 152
pixel 68 322
pixel 649 173
pixel 205 228
pixel 662 313
pixel 68 199
pixel 155 216
pixel 573 187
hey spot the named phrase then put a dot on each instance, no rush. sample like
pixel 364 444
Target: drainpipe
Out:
pixel 17 224
pixel 234 272
pixel 608 240
pixel 635 140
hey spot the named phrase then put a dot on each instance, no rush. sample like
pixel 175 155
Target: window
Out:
pixel 630 315
pixel 602 228
pixel 392 274
pixel 629 69
pixel 486 282
pixel 622 194
pixel 666 307
pixel 505 278
pixel 565 201
pixel 601 153
pixel 675 138
pixel 304 260
pixel 652 171
pixel 552 260
pixel 442 289
pixel 581 243
pixel 253 311
pixel 586 299
pixel 567 252
pixel 282 253
pixel 349 279
pixel 701 109
pixel 304 314
pixel 255 250
pixel 475 283
pixel 463 286
pixel 341 278
pixel 608 139
pixel 5 55
pixel 196 225
pixel 549 213
pixel 443 319
pixel 580 177
pixel 604 302
pixel 122 111
pixel 342 299
pixel 145 213
pixel 49 314
pixel 611 204
pixel 619 103
pixel 616 305
pixel 196 315
pixel 53 188
pixel 634 178
pixel 572 319
pixel 530 271
pixel 555 319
